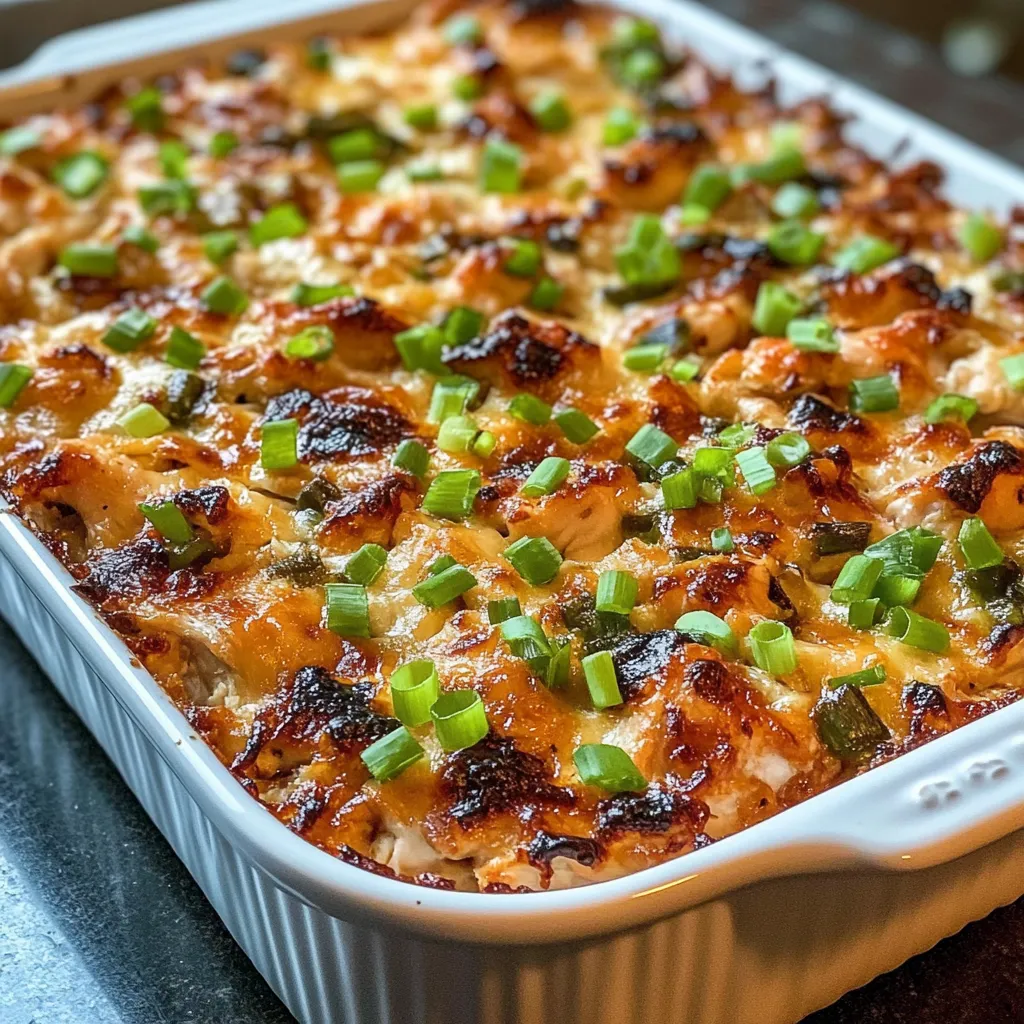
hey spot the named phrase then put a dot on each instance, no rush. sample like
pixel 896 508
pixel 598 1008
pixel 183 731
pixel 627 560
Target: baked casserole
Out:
pixel 523 455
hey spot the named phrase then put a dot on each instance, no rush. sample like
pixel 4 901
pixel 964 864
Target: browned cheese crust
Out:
pixel 236 632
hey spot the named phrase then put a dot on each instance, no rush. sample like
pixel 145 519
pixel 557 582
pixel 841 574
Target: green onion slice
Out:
pixel 314 294
pixel 90 260
pixel 451 494
pixel 530 409
pixel 168 520
pixel 772 647
pixel 444 587
pixel 282 221
pixel 144 421
pixel 651 446
pixel 980 549
pixel 602 682
pixel 774 308
pixel 412 457
pixel 279 445
pixel 616 592
pixel 81 174
pixel 315 342
pixel 414 691
pixel 812 336
pixel 13 378
pixel 787 450
pixel 874 394
pixel 366 564
pixel 348 609
pixel 865 614
pixel 460 719
pixel 865 677
pixel 130 330
pixel 457 434
pixel 856 580
pixel 609 767
pixel 981 238
pixel 546 478
pixel 915 630
pixel 758 472
pixel 223 296
pixel 708 629
pixel 951 407
pixel 501 609
pixel 389 756
pixel 864 254
pixel 679 490
pixel 501 167
pixel 420 347
pixel 721 540
pixel 536 559
pixel 577 427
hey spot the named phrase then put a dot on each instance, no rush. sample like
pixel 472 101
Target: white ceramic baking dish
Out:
pixel 764 926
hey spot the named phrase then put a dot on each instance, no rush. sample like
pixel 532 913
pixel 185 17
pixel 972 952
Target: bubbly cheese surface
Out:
pixel 627 235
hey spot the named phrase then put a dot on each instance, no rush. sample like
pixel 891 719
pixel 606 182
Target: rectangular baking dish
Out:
pixel 764 926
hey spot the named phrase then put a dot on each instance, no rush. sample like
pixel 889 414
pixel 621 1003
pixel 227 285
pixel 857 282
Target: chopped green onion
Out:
pixel 981 238
pixel 536 559
pixel 314 294
pixel 484 443
pixel 168 520
pixel 501 167
pixel 787 450
pixel 546 478
pixel 794 243
pixel 442 563
pixel 546 295
pixel 616 592
pixel 411 457
pixel 19 139
pixel 421 116
pixel 282 221
pixel 184 350
pixel 173 156
pixel 524 260
pixel 737 435
pixel 366 564
pixel 225 297
pixel 847 724
pixel 856 580
pixel 222 144
pixel 463 30
pixel 772 647
pixel 219 245
pixel 457 434
pixel 874 394
pixel 710 630
pixel 721 540
pixel 357 144
pixel 602 682
pixel 467 87
pixel 460 719
pixel 89 260
pixel 576 426
pixel 774 308
pixel 81 174
pixel 550 111
pixel 980 549
pixel 644 358
pixel 785 165
pixel 679 490
pixel 916 631
pixel 715 462
pixel 451 493
pixel 168 197
pixel 420 347
pixel 389 756
pixel 629 33
pixel 130 330
pixel 530 409
pixel 13 378
pixel 462 324
pixel 279 444
pixel 685 369
pixel 184 390
pixel 450 397
pixel 144 421
pixel 525 638
pixel 758 472
pixel 147 109
pixel 864 254
pixel 894 588
pixel 414 691
pixel 951 407
pixel 691 215
pixel 620 126
pixel 865 614
pixel 137 235
pixel 651 446
pixel 648 258
pixel 442 588
pixel 1013 369
pixel 795 201
pixel 709 186
pixel 913 547
pixel 359 176
pixel 642 69
pixel 503 608
pixel 315 342
pixel 609 767
pixel 348 609
pixel 812 336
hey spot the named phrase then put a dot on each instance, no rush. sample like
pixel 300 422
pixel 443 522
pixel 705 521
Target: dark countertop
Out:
pixel 101 924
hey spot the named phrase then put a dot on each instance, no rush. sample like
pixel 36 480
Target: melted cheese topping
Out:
pixel 239 637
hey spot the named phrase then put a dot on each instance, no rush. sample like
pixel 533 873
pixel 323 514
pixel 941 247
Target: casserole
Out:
pixel 828 841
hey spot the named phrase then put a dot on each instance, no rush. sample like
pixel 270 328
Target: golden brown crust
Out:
pixel 237 632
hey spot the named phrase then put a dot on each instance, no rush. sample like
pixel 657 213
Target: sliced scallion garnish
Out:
pixel 609 767
pixel 460 719
pixel 348 609
pixel 414 690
